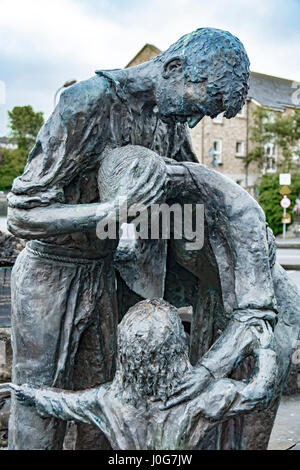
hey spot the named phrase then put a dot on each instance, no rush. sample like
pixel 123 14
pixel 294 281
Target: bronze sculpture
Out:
pixel 151 362
pixel 65 308
pixel 226 302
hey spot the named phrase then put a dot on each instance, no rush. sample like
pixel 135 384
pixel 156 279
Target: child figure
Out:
pixel 152 361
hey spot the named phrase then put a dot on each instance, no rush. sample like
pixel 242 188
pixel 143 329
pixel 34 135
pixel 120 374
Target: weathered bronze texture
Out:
pixel 123 133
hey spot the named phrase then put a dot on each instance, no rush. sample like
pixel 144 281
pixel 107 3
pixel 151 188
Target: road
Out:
pixel 288 256
pixel 286 430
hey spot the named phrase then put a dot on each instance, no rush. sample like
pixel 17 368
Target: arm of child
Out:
pixel 61 404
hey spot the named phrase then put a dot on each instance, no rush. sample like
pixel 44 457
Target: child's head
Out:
pixel 152 349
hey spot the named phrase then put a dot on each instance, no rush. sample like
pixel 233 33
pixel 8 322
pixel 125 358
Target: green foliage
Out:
pixel 286 130
pixel 25 124
pixel 12 165
pixel 280 129
pixel 259 135
pixel 269 198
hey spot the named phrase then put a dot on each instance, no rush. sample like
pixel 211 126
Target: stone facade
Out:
pixel 147 52
pixel 6 143
pixel 3 204
pixel 227 142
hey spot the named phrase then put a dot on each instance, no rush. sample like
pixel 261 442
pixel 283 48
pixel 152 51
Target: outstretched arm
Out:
pixel 237 342
pixel 238 236
pixel 242 336
pixel 61 404
pixel 226 398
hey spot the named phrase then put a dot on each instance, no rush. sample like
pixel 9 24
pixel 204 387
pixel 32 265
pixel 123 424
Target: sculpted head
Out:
pixel 152 350
pixel 205 72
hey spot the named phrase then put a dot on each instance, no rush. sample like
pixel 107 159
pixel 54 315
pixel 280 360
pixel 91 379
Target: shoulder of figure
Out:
pixel 87 94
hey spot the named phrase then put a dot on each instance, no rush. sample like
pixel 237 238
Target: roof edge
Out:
pixel 272 76
pixel 141 50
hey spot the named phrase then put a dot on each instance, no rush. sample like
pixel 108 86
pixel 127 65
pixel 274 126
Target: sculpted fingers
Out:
pixel 9 386
pixel 264 334
pixel 24 394
pixel 189 395
pixel 185 386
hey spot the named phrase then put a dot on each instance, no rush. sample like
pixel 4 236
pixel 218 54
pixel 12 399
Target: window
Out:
pixel 240 149
pixel 295 154
pixel 242 112
pixel 217 147
pixel 218 119
pixel 270 158
pixel 270 150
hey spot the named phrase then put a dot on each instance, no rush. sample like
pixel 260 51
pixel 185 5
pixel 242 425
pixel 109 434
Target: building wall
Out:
pixel 146 53
pixel 229 132
pixel 8 145
pixel 286 112
pixel 279 156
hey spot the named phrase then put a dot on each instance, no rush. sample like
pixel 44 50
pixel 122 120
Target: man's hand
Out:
pixel 241 338
pixel 216 402
pixel 263 331
pixel 25 394
pixel 193 384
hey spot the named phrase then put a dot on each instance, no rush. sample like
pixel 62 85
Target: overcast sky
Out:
pixel 43 43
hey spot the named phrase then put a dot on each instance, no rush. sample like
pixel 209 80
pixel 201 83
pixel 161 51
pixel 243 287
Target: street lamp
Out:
pixel 65 85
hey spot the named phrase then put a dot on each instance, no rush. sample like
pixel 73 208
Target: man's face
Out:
pixel 181 100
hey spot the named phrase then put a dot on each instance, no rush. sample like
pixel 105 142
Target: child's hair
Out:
pixel 152 350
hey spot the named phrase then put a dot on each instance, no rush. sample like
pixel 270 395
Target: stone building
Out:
pixel 147 52
pixel 224 143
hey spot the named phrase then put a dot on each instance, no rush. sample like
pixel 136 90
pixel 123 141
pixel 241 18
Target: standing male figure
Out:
pixel 64 310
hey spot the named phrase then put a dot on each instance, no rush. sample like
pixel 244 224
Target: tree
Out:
pixel 269 198
pixel 286 130
pixel 278 129
pixel 260 136
pixel 12 165
pixel 25 124
pixel 282 130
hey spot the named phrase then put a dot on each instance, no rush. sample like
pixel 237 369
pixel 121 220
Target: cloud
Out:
pixel 44 43
pixel 269 30
pixel 59 32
